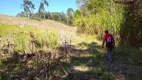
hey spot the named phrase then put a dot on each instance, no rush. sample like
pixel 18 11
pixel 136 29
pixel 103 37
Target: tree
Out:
pixel 70 15
pixel 55 16
pixel 70 11
pixel 63 17
pixel 80 2
pixel 28 7
pixel 82 6
pixel 131 29
pixel 48 15
pixel 21 14
pixel 42 7
pixel 98 15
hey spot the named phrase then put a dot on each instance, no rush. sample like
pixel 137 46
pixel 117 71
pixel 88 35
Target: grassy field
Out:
pixel 42 24
pixel 25 39
pixel 48 50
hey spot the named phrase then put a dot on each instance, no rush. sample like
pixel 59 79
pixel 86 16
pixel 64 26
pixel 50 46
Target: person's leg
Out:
pixel 109 54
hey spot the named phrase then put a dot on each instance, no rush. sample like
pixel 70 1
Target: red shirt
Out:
pixel 108 38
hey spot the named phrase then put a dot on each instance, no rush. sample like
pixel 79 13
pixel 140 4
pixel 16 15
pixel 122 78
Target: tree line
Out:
pixel 28 7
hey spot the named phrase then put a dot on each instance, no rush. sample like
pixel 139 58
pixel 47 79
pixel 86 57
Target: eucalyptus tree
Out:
pixel 70 13
pixel 28 7
pixel 41 9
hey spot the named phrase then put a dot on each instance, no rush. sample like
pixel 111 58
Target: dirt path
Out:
pixel 88 64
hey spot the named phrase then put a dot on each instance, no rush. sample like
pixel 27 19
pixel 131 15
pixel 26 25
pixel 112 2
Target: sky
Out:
pixel 12 7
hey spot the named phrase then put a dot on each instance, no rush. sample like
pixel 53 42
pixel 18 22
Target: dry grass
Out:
pixel 43 24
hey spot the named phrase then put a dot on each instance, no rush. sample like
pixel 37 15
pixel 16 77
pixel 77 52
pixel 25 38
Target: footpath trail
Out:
pixel 88 64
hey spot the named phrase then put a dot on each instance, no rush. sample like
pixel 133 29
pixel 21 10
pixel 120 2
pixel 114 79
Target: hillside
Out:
pixel 43 24
pixel 63 30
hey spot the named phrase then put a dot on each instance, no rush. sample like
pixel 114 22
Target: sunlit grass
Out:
pixel 21 38
pixel 82 68
pixel 81 40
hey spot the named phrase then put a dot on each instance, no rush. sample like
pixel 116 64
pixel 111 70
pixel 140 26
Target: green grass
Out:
pixel 21 38
pixel 128 55
pixel 82 40
pixel 16 39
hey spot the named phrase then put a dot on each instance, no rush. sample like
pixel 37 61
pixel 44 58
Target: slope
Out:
pixel 43 24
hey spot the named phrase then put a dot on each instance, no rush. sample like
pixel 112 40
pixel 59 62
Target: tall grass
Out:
pixel 14 38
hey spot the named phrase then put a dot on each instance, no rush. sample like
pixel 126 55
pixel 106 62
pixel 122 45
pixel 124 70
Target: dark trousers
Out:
pixel 109 54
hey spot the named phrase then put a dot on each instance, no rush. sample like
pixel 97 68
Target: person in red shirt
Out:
pixel 109 40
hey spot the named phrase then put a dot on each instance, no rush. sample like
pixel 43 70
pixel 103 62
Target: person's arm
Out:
pixel 103 44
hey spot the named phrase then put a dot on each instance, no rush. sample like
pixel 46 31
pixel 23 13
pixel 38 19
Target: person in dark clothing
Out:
pixel 110 42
